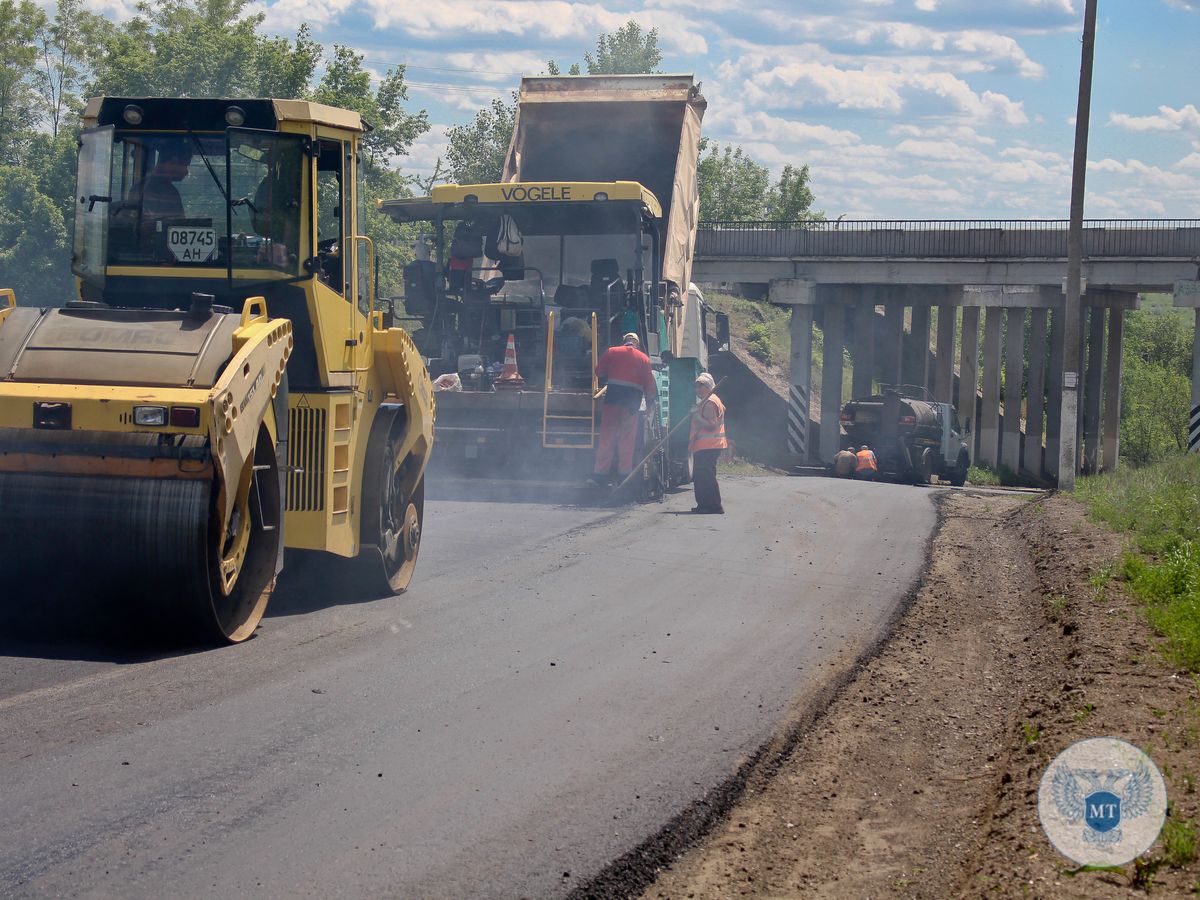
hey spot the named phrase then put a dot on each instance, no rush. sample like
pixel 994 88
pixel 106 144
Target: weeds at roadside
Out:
pixel 1030 734
pixel 1178 842
pixel 1056 607
pixel 1099 580
pixel 1084 711
pixel 1160 506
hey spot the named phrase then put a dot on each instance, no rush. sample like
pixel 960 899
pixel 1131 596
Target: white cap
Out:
pixel 631 338
pixel 707 380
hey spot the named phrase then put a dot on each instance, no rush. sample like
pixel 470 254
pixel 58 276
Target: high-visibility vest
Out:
pixel 706 434
pixel 866 460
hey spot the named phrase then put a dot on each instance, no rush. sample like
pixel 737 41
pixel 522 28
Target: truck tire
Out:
pixel 923 474
pixel 958 475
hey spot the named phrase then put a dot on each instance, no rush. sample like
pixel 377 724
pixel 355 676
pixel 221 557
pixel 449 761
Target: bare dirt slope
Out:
pixel 921 779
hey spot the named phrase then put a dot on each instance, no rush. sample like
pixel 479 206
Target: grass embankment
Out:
pixel 762 326
pixel 1160 506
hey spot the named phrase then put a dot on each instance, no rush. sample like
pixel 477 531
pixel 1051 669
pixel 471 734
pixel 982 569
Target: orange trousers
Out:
pixel 618 436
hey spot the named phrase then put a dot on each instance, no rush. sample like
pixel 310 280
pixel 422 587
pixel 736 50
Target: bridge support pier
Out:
pixel 1093 392
pixel 916 359
pixel 800 382
pixel 968 377
pixel 1112 388
pixel 1014 384
pixel 1036 405
pixel 864 345
pixel 834 333
pixel 891 342
pixel 989 417
pixel 1054 388
pixel 800 295
pixel 943 376
pixel 1187 296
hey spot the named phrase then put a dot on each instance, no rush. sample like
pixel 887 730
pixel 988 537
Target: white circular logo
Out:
pixel 1102 802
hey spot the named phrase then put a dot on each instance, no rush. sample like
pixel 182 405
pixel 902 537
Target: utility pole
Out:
pixel 1068 450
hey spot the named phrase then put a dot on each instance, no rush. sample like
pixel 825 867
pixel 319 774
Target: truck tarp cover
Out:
pixel 643 128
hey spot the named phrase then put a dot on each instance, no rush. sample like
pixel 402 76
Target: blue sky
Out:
pixel 901 108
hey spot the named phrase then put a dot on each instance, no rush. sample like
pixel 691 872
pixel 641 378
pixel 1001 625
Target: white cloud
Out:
pixel 1191 161
pixel 1168 119
pixel 771 128
pixel 962 133
pixel 1145 173
pixel 557 20
pixel 1185 5
pixel 945 152
pixel 501 66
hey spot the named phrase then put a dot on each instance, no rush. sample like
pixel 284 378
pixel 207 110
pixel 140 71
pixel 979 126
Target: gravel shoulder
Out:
pixel 921 777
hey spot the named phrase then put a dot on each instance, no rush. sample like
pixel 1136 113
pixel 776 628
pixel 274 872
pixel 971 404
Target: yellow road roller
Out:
pixel 223 386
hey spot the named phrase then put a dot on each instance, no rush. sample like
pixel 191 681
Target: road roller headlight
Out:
pixel 150 415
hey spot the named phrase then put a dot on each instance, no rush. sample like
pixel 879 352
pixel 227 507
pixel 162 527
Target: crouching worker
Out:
pixel 868 466
pixel 629 380
pixel 845 462
pixel 706 443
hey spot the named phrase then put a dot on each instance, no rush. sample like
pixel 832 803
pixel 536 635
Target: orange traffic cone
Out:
pixel 509 376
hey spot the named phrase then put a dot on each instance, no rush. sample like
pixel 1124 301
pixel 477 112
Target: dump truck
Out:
pixel 222 387
pixel 914 437
pixel 588 236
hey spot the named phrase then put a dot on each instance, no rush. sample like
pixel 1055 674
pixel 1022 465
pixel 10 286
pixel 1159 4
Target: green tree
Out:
pixel 65 44
pixel 200 48
pixel 476 152
pixel 19 26
pixel 286 67
pixel 629 50
pixel 791 199
pixel 1154 411
pixel 33 241
pixel 733 186
pixel 348 85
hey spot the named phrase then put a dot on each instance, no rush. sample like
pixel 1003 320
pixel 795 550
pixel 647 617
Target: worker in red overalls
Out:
pixel 629 381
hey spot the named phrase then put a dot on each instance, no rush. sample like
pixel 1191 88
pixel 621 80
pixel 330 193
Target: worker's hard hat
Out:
pixel 864 447
pixel 631 338
pixel 706 380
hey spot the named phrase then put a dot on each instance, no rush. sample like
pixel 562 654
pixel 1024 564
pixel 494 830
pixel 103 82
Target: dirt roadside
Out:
pixel 921 778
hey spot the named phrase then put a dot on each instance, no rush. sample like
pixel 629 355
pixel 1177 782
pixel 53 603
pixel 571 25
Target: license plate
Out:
pixel 191 244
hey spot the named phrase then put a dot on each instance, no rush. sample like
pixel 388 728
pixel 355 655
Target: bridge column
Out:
pixel 1054 387
pixel 890 338
pixel 1187 295
pixel 1112 388
pixel 989 417
pixel 968 376
pixel 1194 416
pixel 1014 384
pixel 834 332
pixel 800 295
pixel 1034 460
pixel 916 359
pixel 864 344
pixel 1093 391
pixel 943 376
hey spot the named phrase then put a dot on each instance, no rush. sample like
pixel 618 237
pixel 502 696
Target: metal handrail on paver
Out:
pixel 950 238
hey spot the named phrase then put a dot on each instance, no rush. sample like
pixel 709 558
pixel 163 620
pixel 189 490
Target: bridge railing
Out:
pixel 957 238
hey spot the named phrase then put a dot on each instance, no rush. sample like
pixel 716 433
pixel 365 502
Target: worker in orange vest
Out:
pixel 629 380
pixel 868 466
pixel 705 443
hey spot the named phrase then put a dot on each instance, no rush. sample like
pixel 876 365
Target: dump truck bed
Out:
pixel 643 128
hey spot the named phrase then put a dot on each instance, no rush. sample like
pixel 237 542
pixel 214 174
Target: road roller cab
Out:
pixel 222 387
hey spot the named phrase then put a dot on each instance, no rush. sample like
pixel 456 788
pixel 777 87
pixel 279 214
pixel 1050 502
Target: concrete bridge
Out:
pixel 878 288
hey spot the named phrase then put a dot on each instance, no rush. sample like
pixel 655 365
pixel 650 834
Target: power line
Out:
pixel 458 88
